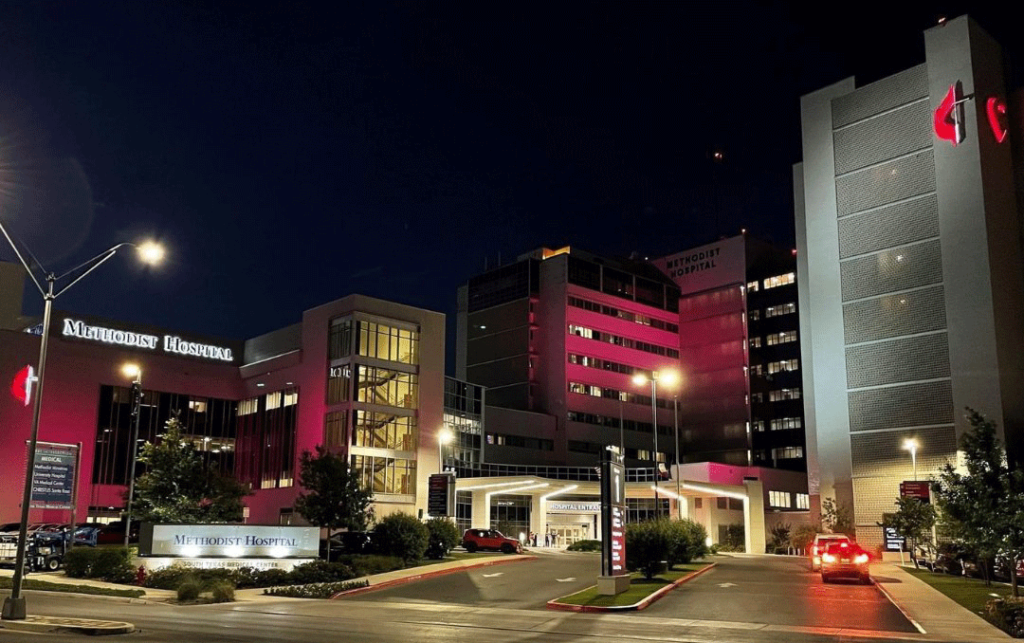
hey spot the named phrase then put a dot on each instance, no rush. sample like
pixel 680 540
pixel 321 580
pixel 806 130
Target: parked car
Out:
pixel 475 539
pixel 845 559
pixel 821 543
pixel 347 542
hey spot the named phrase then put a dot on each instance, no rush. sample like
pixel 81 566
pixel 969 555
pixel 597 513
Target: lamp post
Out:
pixel 910 444
pixel 133 370
pixel 675 420
pixel 444 436
pixel 668 378
pixel 149 252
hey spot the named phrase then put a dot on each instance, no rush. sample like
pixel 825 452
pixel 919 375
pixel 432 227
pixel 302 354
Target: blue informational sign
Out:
pixel 53 476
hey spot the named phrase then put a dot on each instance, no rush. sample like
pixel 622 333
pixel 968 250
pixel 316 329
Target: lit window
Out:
pixel 784 394
pixel 787 453
pixel 776 311
pixel 274 400
pixel 803 501
pixel 781 280
pixel 782 424
pixel 779 499
pixel 197 406
pixel 754 315
pixel 752 286
pixel 291 398
pixel 755 342
pixel 783 366
pixel 248 407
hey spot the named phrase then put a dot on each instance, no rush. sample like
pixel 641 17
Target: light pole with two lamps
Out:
pixel 667 378
pixel 149 252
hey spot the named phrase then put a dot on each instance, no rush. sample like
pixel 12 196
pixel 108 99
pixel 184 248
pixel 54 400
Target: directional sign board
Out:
pixel 613 514
pixel 916 489
pixel 53 476
pixel 441 495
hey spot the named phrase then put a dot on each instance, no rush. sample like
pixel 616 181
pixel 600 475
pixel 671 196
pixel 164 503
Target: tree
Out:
pixel 982 508
pixel 912 520
pixel 179 485
pixel 836 517
pixel 334 497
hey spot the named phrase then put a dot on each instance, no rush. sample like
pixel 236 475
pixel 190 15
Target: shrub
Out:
pixel 647 546
pixel 734 539
pixel 113 564
pixel 318 590
pixel 319 571
pixel 403 536
pixel 222 592
pixel 1007 615
pixel 368 565
pixel 442 536
pixel 79 560
pixel 687 541
pixel 802 537
pixel 779 543
pixel 189 589
pixel 585 545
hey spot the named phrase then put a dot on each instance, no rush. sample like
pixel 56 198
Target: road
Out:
pixel 758 603
pixel 779 591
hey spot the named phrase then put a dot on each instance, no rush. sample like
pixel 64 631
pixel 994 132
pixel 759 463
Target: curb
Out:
pixel 644 604
pixel 79 625
pixel 429 574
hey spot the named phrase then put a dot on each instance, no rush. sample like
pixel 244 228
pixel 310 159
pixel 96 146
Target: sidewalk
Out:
pixel 941 618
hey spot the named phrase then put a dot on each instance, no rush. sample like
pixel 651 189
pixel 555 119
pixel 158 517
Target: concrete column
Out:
pixel 539 517
pixel 712 521
pixel 481 510
pixel 753 518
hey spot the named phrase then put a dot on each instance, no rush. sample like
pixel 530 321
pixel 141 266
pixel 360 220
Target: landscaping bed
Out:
pixel 994 603
pixel 43 586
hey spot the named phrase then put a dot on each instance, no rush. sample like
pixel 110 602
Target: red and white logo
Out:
pixel 21 385
pixel 949 118
pixel 995 108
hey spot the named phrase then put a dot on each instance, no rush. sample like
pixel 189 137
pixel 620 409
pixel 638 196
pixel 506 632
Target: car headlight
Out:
pixel 828 558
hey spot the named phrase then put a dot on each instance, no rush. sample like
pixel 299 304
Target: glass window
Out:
pixel 779 499
pixel 340 338
pixel 782 309
pixel 384 431
pixel 803 501
pixel 334 429
pixel 385 475
pixel 388 343
pixel 339 384
pixel 387 388
pixel 781 280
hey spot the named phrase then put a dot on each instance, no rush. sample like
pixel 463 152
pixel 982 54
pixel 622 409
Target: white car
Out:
pixel 821 543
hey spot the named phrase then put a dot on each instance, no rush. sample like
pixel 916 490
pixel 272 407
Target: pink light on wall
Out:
pixel 995 107
pixel 947 123
pixel 21 385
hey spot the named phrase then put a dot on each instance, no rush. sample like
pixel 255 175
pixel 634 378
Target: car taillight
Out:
pixel 860 559
pixel 818 549
pixel 828 558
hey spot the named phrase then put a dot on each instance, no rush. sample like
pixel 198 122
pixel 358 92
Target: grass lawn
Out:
pixel 969 592
pixel 639 589
pixel 43 586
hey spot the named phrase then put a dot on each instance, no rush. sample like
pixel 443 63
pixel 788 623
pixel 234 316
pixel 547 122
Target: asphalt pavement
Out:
pixel 779 591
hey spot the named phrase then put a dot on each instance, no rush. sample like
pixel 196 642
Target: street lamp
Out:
pixel 910 444
pixel 14 605
pixel 678 476
pixel 668 378
pixel 133 370
pixel 444 436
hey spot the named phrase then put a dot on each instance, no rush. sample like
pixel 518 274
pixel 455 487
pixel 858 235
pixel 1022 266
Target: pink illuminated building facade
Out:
pixel 363 376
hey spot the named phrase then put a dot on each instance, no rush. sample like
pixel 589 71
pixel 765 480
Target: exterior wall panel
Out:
pixel 886 137
pixel 898 179
pixel 908 313
pixel 893 270
pixel 889 226
pixel 877 97
pixel 900 360
pixel 901 406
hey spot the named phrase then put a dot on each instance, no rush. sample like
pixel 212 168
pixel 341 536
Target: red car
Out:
pixel 845 560
pixel 475 539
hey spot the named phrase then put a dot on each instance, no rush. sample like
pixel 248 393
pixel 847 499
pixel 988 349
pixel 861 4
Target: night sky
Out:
pixel 289 154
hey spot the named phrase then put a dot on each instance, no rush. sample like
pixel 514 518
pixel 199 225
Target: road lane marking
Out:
pixel 492 575
pixel 566 580
pixel 728 585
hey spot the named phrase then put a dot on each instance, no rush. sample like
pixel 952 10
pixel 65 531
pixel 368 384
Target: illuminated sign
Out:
pixel 574 507
pixel 613 514
pixel 995 108
pixel 21 385
pixel 53 476
pixel 714 265
pixel 229 541
pixel 171 343
pixel 949 117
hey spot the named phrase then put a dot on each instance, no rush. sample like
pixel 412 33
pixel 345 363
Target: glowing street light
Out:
pixel 14 605
pixel 669 378
pixel 444 436
pixel 910 444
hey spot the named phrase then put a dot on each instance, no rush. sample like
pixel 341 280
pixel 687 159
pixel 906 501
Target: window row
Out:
pixel 611 311
pixel 787 453
pixel 627 425
pixel 625 342
pixel 784 394
pixel 755 342
pixel 385 475
pixel 384 431
pixel 537 444
pixel 606 365
pixel 783 366
pixel 782 424
pixel 373 339
pixel 781 309
pixel 781 338
pixel 781 280
pixel 779 499
pixel 614 394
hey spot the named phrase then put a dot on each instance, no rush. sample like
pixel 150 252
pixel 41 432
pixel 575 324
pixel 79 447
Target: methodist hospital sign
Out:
pixel 229 541
pixel 170 343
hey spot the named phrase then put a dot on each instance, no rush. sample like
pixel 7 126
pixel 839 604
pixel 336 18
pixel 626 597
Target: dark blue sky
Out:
pixel 289 154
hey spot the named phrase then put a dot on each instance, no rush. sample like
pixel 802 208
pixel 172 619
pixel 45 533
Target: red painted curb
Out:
pixel 566 607
pixel 440 572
